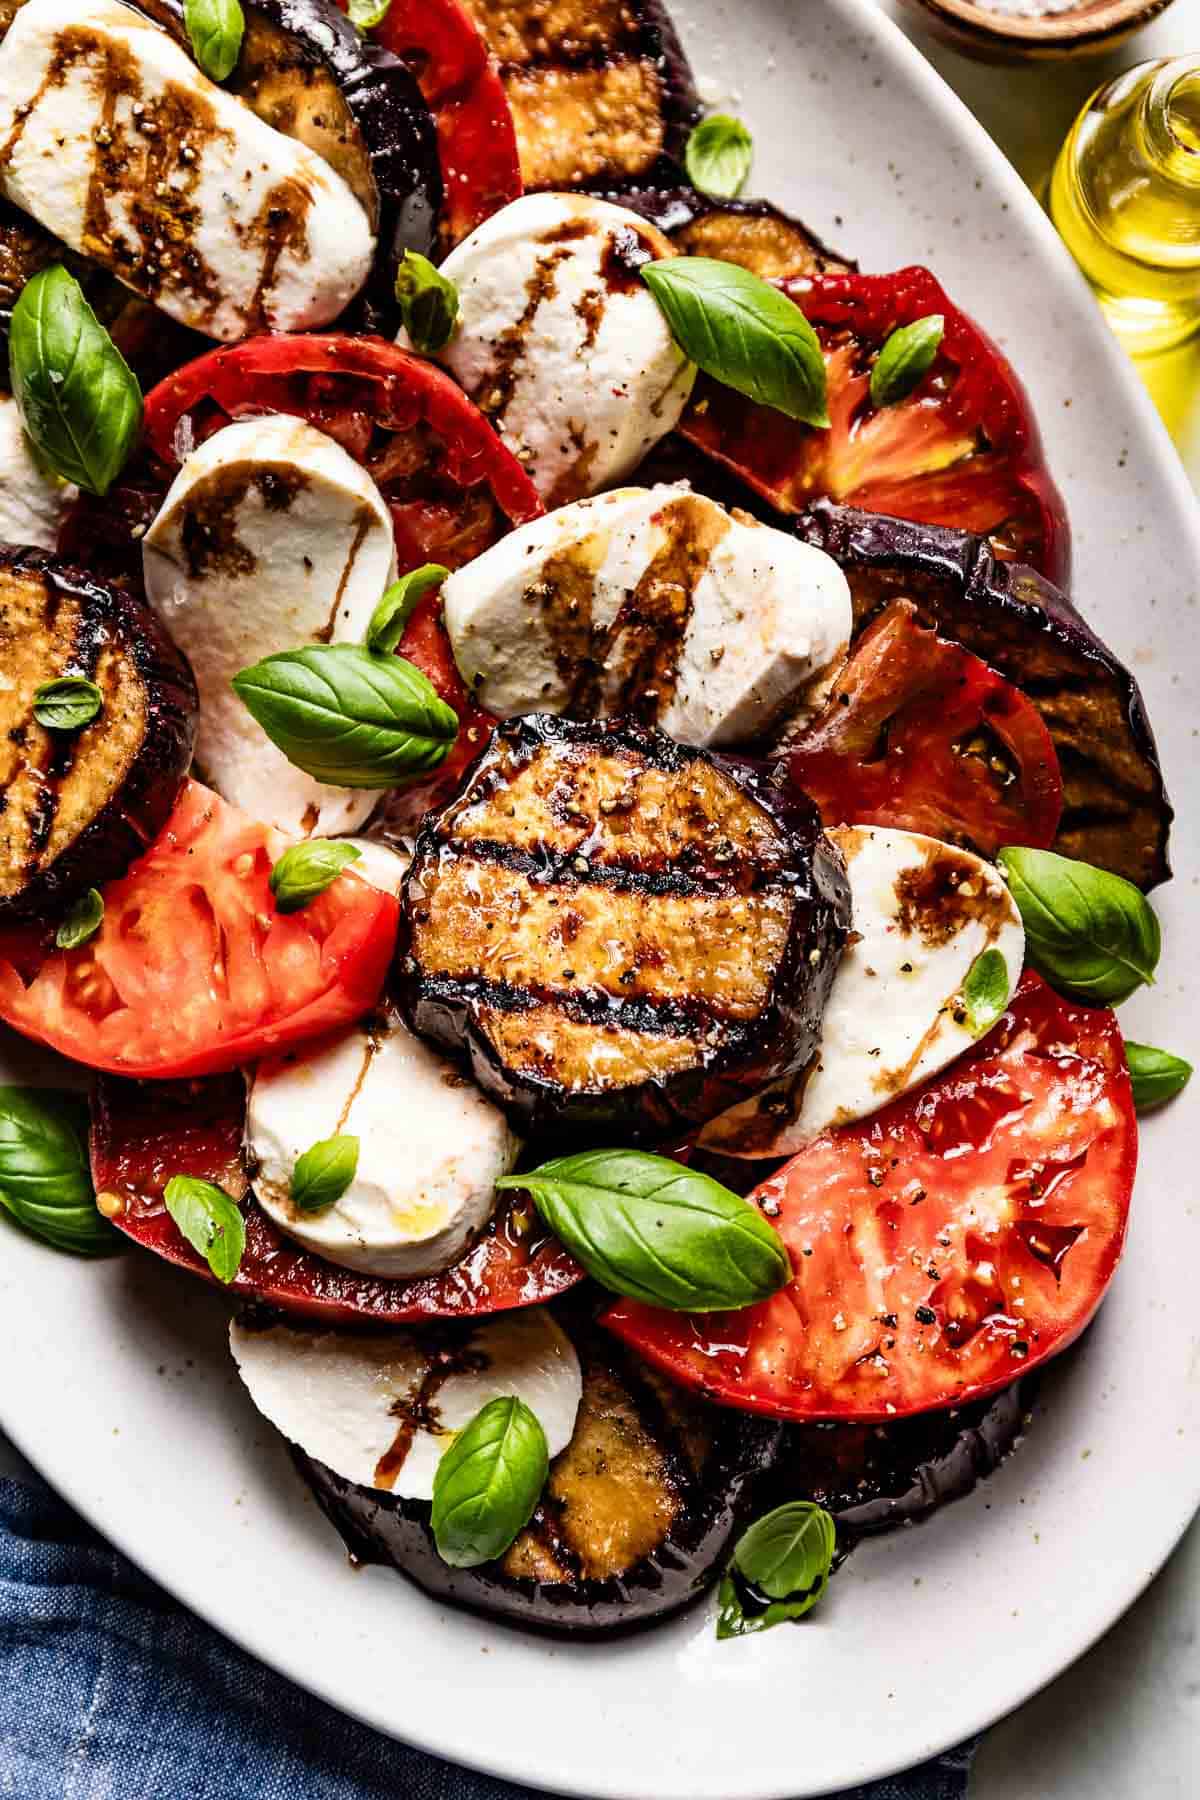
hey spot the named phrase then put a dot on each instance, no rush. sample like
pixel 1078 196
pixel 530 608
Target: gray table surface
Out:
pixel 1124 1722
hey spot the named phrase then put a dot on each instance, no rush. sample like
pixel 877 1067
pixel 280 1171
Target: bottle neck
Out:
pixel 1169 121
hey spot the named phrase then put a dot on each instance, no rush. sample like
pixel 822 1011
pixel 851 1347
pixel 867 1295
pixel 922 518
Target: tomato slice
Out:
pixel 477 141
pixel 948 1244
pixel 143 1133
pixel 192 968
pixel 963 449
pixel 452 486
pixel 921 735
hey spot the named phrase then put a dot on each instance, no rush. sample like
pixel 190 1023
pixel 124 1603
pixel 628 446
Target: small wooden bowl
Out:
pixel 1090 26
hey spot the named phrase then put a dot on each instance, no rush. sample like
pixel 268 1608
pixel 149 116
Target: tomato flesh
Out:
pixel 962 449
pixel 477 141
pixel 921 735
pixel 192 968
pixel 143 1133
pixel 941 1248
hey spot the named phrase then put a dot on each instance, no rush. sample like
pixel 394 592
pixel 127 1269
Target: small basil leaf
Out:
pixel 348 717
pixel 487 1483
pixel 1155 1075
pixel 1090 933
pixel 985 991
pixel 779 1570
pixel 428 303
pixel 718 156
pixel 82 922
pixel 744 332
pixel 306 870
pixel 366 14
pixel 323 1174
pixel 398 605
pixel 653 1230
pixel 906 355
pixel 215 28
pixel 45 1182
pixel 210 1220
pixel 79 400
pixel 67 704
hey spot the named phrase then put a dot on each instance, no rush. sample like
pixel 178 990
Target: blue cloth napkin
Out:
pixel 111 1691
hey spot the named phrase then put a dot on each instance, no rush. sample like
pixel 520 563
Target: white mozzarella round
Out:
pixel 32 501
pixel 115 141
pixel 351 1400
pixel 379 865
pixel 270 537
pixel 561 343
pixel 654 600
pixel 923 911
pixel 431 1149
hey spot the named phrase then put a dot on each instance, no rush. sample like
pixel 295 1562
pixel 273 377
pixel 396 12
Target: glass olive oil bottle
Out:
pixel 1125 195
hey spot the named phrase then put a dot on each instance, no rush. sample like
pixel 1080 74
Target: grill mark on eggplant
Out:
pixel 586 1006
pixel 559 869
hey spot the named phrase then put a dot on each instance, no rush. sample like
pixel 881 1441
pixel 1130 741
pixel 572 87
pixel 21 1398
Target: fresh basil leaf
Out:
pixel 323 1174
pixel 487 1483
pixel 744 332
pixel 366 14
pixel 79 400
pixel 428 303
pixel 906 355
pixel 215 28
pixel 1092 934
pixel 306 870
pixel 398 605
pixel 348 717
pixel 82 922
pixel 653 1230
pixel 67 704
pixel 45 1181
pixel 985 991
pixel 718 156
pixel 1155 1075
pixel 210 1220
pixel 779 1569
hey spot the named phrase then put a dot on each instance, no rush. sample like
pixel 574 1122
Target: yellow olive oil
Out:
pixel 1125 196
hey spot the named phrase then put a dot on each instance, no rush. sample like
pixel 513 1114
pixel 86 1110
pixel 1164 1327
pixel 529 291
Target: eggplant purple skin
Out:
pixel 397 131
pixel 136 813
pixel 784 1035
pixel 1116 813
pixel 683 107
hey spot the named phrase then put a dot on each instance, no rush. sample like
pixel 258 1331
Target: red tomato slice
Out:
pixel 942 1247
pixel 963 449
pixel 143 1133
pixel 477 142
pixel 921 735
pixel 452 485
pixel 192 968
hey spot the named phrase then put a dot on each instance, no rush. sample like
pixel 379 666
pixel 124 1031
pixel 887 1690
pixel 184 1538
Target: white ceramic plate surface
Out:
pixel 116 1380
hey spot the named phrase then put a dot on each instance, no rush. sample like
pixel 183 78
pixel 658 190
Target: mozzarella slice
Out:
pixel 923 912
pixel 270 537
pixel 382 867
pixel 431 1149
pixel 654 601
pixel 380 1411
pixel 32 501
pixel 113 139
pixel 561 343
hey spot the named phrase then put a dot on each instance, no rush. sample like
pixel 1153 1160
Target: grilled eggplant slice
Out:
pixel 751 232
pixel 618 929
pixel 873 1478
pixel 79 806
pixel 310 74
pixel 1116 813
pixel 599 89
pixel 635 1521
